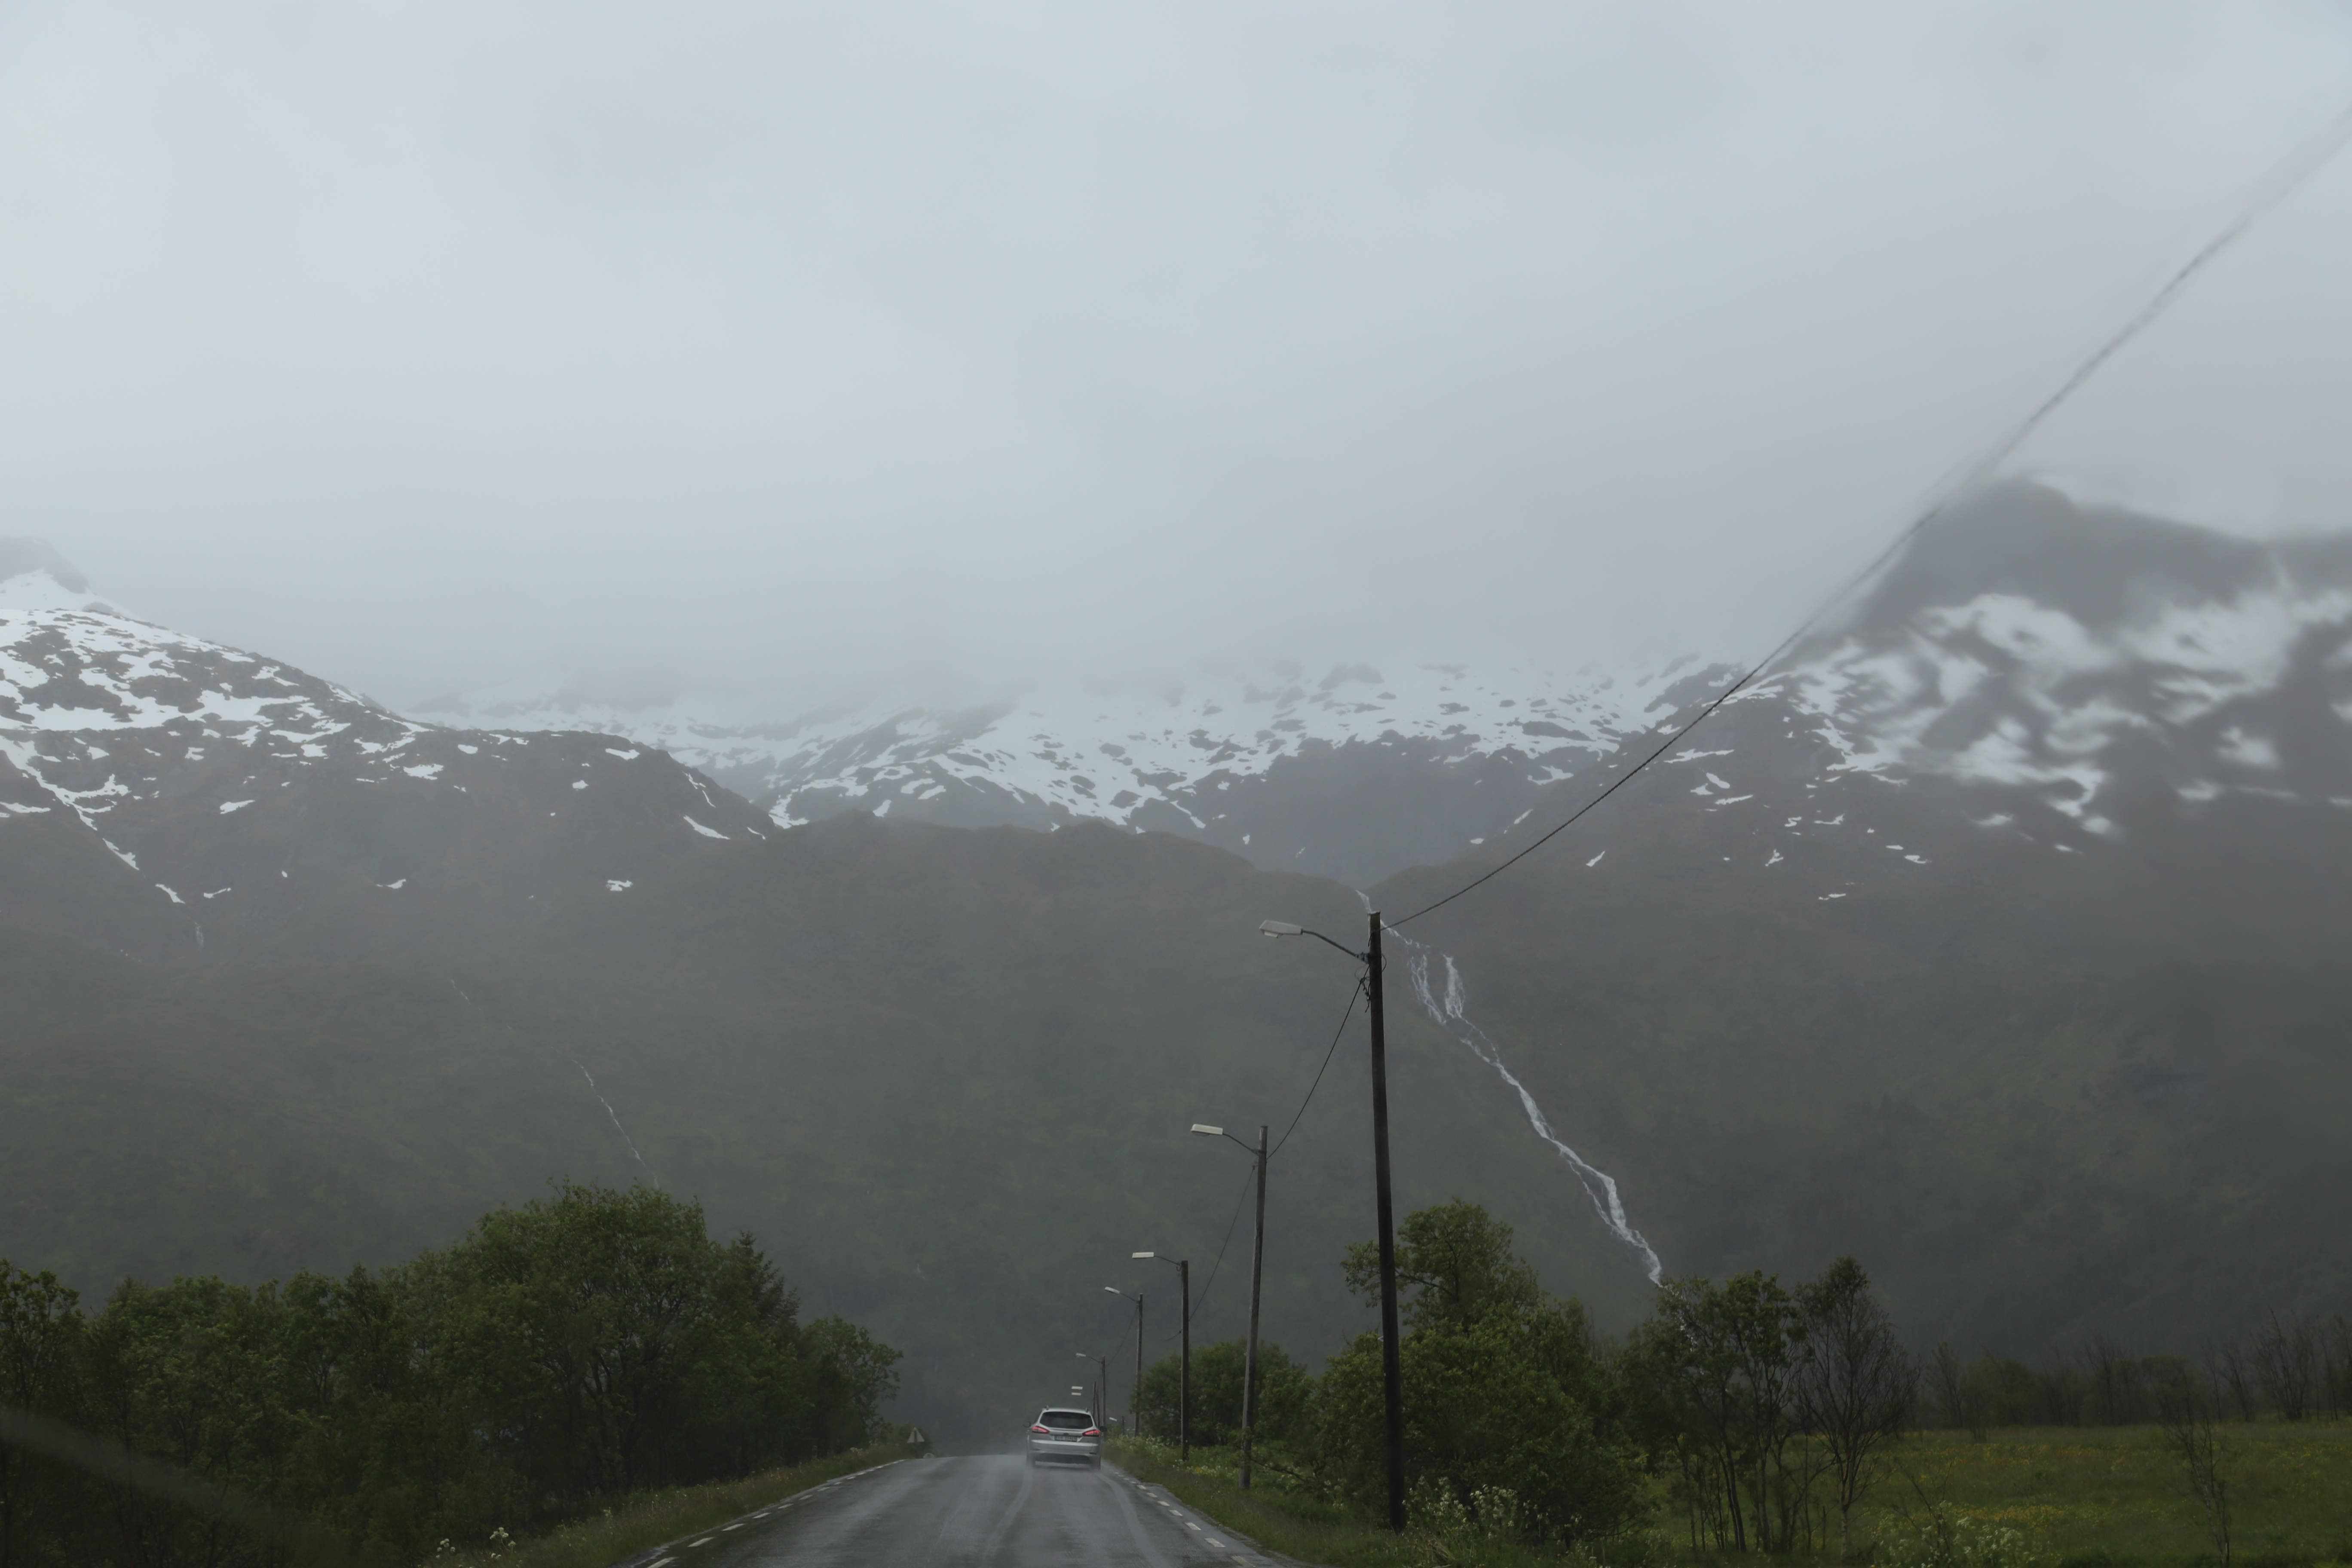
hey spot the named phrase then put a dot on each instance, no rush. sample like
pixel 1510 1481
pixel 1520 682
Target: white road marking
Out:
pixel 1190 1525
pixel 1215 1543
pixel 703 1541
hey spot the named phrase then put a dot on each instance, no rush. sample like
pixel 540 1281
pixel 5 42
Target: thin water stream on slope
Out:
pixel 1449 1008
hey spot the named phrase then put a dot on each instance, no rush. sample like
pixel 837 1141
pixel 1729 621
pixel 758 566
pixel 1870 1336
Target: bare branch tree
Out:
pixel 2286 1357
pixel 1855 1383
pixel 1951 1386
pixel 2188 1410
pixel 2335 1375
pixel 2236 1373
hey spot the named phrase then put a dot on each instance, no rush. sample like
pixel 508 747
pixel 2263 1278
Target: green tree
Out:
pixel 1502 1388
pixel 1456 1263
pixel 41 1330
pixel 594 1342
pixel 1715 1372
pixel 854 1374
pixel 1284 1392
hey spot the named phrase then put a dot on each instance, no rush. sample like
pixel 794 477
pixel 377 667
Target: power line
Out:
pixel 2283 179
pixel 1353 997
pixel 1330 1051
pixel 1200 1300
pixel 1622 779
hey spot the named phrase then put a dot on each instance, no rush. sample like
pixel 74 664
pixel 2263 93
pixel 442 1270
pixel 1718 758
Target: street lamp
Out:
pixel 1257 1273
pixel 1391 1371
pixel 1184 1366
pixel 1135 1389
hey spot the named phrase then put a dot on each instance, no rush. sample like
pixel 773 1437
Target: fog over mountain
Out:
pixel 752 595
pixel 1994 936
pixel 807 355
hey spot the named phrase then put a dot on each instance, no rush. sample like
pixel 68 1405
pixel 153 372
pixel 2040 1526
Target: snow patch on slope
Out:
pixel 1092 753
pixel 2003 691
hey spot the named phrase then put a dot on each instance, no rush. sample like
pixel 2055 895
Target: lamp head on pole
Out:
pixel 1279 928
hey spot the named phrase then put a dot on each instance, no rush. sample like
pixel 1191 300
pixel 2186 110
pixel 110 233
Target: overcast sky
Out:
pixel 793 347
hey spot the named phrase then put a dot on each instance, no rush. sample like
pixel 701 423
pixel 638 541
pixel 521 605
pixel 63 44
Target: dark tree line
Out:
pixel 2290 1368
pixel 1769 1410
pixel 567 1352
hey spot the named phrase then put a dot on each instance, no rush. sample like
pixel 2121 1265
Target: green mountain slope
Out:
pixel 945 1076
pixel 2036 1092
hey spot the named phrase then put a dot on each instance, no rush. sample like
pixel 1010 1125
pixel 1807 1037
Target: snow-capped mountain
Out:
pixel 2051 657
pixel 1339 770
pixel 2083 665
pixel 2083 655
pixel 200 788
pixel 2077 780
pixel 2051 668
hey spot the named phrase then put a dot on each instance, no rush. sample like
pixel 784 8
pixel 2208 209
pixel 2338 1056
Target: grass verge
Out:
pixel 1296 1527
pixel 645 1519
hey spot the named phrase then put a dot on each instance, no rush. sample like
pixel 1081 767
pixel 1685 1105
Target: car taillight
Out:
pixel 1047 1430
pixel 1091 1432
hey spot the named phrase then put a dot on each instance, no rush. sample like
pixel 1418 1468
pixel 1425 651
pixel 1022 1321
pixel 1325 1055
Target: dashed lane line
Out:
pixel 1265 1559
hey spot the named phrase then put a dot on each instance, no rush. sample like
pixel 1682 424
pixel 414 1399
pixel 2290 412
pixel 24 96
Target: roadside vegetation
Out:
pixel 1749 1417
pixel 635 1524
pixel 592 1358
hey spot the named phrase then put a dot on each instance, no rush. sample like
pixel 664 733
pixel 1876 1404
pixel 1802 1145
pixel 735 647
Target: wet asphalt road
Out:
pixel 986 1513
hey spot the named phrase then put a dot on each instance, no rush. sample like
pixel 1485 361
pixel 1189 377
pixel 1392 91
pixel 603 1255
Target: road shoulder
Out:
pixel 1232 1544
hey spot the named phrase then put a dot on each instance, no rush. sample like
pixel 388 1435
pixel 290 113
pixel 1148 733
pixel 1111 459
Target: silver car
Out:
pixel 1065 1435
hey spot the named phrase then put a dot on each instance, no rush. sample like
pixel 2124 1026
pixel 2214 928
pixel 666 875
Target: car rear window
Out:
pixel 1075 1420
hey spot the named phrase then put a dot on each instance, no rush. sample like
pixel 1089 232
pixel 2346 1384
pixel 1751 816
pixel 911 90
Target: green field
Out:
pixel 2092 1497
pixel 2075 1497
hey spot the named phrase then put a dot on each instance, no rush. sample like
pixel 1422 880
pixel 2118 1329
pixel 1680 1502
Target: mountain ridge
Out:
pixel 2040 651
pixel 1821 980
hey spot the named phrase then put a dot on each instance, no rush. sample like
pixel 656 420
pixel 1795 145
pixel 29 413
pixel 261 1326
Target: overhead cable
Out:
pixel 1201 1299
pixel 2282 180
pixel 1354 996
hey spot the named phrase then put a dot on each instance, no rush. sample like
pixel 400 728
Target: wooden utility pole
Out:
pixel 1391 1367
pixel 1184 1367
pixel 1249 1352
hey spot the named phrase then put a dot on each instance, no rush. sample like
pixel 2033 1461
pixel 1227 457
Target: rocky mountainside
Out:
pixel 162 794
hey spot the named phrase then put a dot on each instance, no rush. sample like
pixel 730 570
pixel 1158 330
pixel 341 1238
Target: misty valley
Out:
pixel 386 1094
